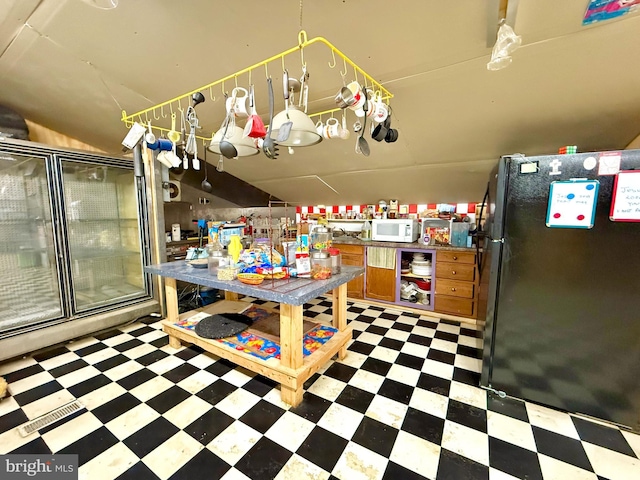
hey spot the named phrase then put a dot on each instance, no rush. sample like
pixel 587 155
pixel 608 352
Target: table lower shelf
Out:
pixel 290 379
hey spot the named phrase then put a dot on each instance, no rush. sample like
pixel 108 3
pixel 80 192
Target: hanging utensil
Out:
pixel 192 118
pixel 226 147
pixel 195 162
pixel 304 89
pixel 183 128
pixel 206 186
pixel 285 128
pixel 185 160
pixel 270 147
pixel 172 134
pixel 362 144
pixel 249 125
pixel 197 98
pixel 190 147
pixel 183 140
pixel 255 126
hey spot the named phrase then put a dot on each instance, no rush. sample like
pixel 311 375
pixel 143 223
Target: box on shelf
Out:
pixel 435 231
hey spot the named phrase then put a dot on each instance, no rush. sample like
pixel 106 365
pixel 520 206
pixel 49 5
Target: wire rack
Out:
pixel 180 103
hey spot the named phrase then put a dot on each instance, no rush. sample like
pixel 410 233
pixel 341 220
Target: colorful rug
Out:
pixel 261 339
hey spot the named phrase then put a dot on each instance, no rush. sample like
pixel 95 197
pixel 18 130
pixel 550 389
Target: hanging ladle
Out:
pixel 206 186
pixel 226 148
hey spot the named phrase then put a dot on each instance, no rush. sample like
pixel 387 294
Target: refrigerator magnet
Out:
pixel 609 163
pixel 625 204
pixel 572 203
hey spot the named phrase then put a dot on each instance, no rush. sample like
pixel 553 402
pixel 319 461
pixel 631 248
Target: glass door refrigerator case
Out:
pixel 72 228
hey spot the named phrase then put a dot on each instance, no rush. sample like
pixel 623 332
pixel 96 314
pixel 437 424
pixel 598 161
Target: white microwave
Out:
pixel 395 230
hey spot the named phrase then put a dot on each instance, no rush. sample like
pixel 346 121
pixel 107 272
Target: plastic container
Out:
pixel 228 273
pixel 365 233
pixel 336 260
pixel 235 247
pixel 459 234
pixel 320 265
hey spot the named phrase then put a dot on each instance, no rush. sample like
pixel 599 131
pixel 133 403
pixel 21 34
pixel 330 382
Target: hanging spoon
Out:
pixel 206 186
pixel 173 135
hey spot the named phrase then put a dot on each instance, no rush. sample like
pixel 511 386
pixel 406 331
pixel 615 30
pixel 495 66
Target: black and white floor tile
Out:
pixel 403 405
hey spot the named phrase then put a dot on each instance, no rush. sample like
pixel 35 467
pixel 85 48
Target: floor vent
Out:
pixel 49 418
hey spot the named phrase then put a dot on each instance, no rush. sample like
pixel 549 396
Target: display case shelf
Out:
pixel 90 254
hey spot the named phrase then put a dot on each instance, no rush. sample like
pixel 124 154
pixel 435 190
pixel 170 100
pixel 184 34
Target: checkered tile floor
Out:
pixel 402 405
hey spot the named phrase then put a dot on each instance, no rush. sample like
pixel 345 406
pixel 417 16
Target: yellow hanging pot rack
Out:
pixel 160 110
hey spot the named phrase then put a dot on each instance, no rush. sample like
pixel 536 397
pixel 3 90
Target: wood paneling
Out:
pixel 40 134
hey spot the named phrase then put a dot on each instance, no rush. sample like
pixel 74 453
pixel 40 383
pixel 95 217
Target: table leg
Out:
pixel 171 296
pixel 230 296
pixel 291 349
pixel 339 308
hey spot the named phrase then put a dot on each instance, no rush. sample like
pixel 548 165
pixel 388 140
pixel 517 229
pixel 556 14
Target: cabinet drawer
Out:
pixel 355 260
pixel 454 288
pixel 455 271
pixel 454 306
pixel 457 257
pixel 346 248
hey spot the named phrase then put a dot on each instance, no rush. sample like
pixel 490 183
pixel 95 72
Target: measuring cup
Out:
pixel 173 135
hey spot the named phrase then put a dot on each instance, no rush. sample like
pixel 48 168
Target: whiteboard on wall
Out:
pixel 572 203
pixel 625 204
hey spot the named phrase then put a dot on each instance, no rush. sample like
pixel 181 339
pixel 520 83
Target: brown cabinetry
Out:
pixel 353 255
pixel 456 283
pixel 380 284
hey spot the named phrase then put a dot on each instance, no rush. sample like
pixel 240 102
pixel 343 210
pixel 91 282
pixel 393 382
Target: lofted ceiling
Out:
pixel 73 68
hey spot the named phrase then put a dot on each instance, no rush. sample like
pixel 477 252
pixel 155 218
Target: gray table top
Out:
pixel 293 291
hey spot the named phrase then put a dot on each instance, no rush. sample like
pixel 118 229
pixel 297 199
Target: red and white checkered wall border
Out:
pixel 461 208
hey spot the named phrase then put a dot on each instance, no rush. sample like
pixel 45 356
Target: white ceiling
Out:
pixel 73 68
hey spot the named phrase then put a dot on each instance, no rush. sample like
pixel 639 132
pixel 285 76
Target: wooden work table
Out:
pixel 292 369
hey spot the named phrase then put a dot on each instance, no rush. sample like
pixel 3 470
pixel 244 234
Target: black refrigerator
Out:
pixel 560 283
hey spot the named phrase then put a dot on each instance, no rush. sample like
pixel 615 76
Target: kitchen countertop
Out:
pixel 346 239
pixel 294 291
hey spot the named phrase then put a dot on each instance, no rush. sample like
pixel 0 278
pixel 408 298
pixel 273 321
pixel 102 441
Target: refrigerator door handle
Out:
pixel 497 240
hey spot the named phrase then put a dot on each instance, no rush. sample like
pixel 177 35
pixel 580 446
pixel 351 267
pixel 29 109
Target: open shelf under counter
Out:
pixel 429 254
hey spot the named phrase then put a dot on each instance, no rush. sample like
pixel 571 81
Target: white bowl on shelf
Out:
pixel 422 271
pixel 421 263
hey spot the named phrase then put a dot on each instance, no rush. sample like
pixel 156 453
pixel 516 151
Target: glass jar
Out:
pixel 321 237
pixel 336 260
pixel 320 265
pixel 216 257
